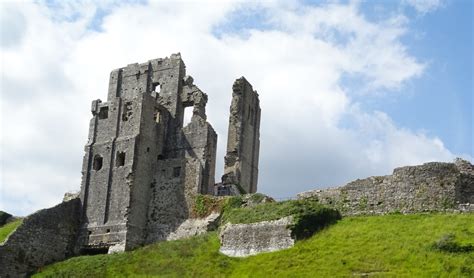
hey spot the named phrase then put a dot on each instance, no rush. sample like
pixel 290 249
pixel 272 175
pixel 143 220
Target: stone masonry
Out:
pixel 242 240
pixel 142 167
pixel 44 237
pixel 243 142
pixel 433 186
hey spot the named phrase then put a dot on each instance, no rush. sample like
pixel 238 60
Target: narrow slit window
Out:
pixel 127 111
pixel 157 117
pixel 188 115
pixel 157 87
pixel 120 159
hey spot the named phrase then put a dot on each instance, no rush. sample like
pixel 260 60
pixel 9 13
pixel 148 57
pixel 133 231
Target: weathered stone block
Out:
pixel 241 240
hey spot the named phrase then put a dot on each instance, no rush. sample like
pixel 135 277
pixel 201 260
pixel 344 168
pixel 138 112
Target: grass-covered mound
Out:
pixel 309 216
pixel 382 246
pixel 8 228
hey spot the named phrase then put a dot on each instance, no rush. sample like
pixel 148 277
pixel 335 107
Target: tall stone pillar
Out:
pixel 243 143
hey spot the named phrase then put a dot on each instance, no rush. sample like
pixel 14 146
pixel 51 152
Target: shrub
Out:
pixel 205 205
pixel 257 198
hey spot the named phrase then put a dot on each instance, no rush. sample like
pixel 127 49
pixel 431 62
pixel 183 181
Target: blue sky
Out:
pixel 348 89
pixel 440 101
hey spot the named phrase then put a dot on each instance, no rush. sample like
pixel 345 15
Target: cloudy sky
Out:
pixel 348 89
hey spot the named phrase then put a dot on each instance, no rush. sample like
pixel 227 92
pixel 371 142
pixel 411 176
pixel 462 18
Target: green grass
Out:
pixel 270 211
pixel 309 216
pixel 8 228
pixel 382 246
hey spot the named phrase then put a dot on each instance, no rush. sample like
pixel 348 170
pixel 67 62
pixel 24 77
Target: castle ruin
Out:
pixel 142 167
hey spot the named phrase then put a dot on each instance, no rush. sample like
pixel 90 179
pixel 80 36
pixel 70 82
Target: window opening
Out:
pixel 104 112
pixel 127 111
pixel 176 172
pixel 97 165
pixel 120 161
pixel 157 87
pixel 157 117
pixel 188 114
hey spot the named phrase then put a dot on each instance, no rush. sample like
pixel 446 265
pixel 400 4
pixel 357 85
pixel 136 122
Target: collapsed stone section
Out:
pixel 141 166
pixel 433 186
pixel 242 240
pixel 243 141
pixel 44 237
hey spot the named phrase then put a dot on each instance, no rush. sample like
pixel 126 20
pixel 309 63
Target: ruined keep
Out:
pixel 142 168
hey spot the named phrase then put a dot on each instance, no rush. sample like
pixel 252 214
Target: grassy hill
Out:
pixel 421 245
pixel 7 229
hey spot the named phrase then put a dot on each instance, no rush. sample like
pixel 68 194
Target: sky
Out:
pixel 348 89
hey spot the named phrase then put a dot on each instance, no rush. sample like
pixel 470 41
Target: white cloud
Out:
pixel 425 6
pixel 58 66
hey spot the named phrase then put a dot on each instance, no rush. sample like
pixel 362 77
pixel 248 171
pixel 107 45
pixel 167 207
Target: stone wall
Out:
pixel 241 240
pixel 45 237
pixel 243 141
pixel 196 226
pixel 432 186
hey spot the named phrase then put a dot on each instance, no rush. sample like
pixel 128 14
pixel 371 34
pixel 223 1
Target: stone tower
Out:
pixel 141 166
pixel 243 142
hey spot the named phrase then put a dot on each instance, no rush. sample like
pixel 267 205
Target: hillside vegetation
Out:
pixel 8 228
pixel 421 245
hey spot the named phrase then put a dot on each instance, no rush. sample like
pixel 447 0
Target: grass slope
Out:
pixel 8 228
pixel 390 245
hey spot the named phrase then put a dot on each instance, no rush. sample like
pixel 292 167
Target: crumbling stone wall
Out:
pixel 44 237
pixel 243 141
pixel 241 240
pixel 432 186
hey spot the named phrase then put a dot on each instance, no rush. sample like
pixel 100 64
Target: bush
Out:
pixel 256 198
pixel 447 243
pixel 205 205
